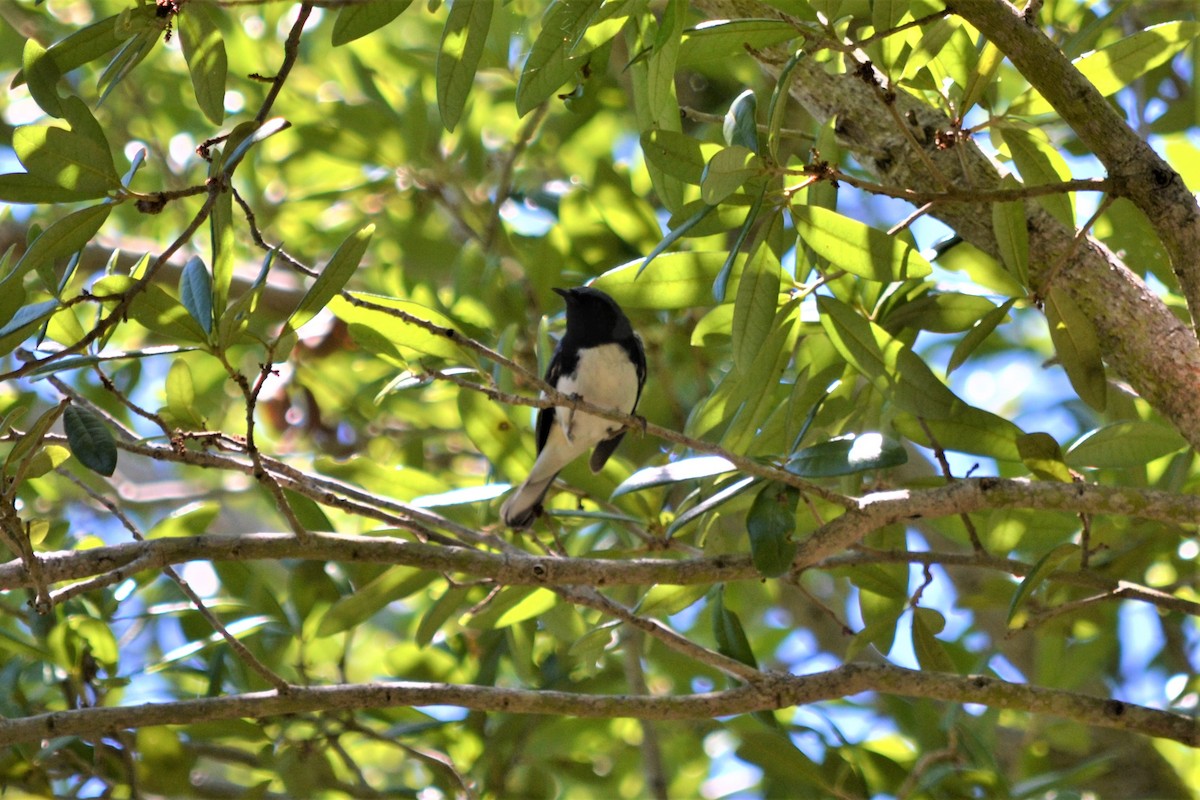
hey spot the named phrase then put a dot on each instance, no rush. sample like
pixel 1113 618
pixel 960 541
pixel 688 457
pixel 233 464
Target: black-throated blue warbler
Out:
pixel 600 360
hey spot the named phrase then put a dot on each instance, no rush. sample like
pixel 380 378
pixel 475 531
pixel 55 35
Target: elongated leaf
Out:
pixel 252 134
pixel 407 326
pixel 686 469
pixel 21 187
pixel 968 430
pixel 894 369
pixel 717 40
pixel 32 439
pixel 729 633
pixel 180 390
pixel 755 306
pixel 90 440
pixel 1129 444
pixel 154 308
pixel 337 272
pixel 356 20
pixel 204 50
pixel 678 280
pixel 29 314
pixel 1012 238
pixel 1114 67
pixel 442 609
pixel 463 41
pixel 1077 347
pixel 721 284
pixel 66 236
pixel 1046 566
pixel 857 248
pixel 132 53
pixel 1039 161
pixel 720 498
pixel 551 62
pixel 770 523
pixel 847 455
pixel 675 234
pixel 195 292
pixel 940 312
pixel 366 601
pixel 976 336
pixel 88 43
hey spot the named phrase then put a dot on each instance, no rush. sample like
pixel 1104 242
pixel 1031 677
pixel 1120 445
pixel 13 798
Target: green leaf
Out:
pixel 398 323
pixel 1116 66
pixel 686 469
pixel 536 603
pixel 939 312
pixel 204 50
pixel 358 19
pixel 755 306
pixel 42 74
pixel 968 430
pixel 90 440
pixel 132 53
pixel 154 308
pixel 442 609
pixel 930 651
pixel 740 126
pixel 1077 347
pixel 463 42
pixel 893 368
pixel 1040 162
pixel 1012 237
pixel 1045 567
pixel 976 336
pixel 32 439
pixel 857 248
pixel 1121 445
pixel 677 154
pixel 718 40
pixel 65 237
pixel 729 633
pixel 48 458
pixel 1041 453
pixel 551 62
pixel 847 455
pixel 675 234
pixel 195 292
pixel 726 172
pixel 72 159
pixel 343 264
pixel 180 390
pixel 365 601
pixel 194 519
pixel 721 284
pixel 678 280
pixel 21 187
pixel 771 522
pixel 29 314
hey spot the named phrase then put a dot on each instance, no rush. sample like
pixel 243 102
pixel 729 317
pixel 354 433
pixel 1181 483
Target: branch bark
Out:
pixel 775 692
pixel 1160 355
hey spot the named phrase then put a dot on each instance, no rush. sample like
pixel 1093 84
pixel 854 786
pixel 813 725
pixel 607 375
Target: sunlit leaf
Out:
pixel 857 248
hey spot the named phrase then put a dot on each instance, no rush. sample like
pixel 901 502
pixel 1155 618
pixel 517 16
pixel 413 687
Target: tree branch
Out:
pixel 775 692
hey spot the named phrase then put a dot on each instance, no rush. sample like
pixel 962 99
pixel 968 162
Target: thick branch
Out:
pixel 1159 356
pixel 779 691
pixel 1149 181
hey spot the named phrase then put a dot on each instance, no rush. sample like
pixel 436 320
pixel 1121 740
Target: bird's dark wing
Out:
pixel 603 450
pixel 546 417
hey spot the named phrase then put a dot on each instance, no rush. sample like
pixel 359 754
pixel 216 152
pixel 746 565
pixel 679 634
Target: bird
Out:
pixel 600 359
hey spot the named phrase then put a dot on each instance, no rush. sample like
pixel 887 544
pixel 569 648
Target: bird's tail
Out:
pixel 521 508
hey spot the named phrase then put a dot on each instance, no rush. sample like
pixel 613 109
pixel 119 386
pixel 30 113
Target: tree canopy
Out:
pixel 910 508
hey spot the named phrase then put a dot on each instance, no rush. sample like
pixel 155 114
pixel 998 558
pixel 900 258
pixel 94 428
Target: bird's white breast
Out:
pixel 604 376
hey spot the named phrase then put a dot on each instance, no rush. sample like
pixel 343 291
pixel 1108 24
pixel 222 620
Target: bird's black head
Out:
pixel 593 316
